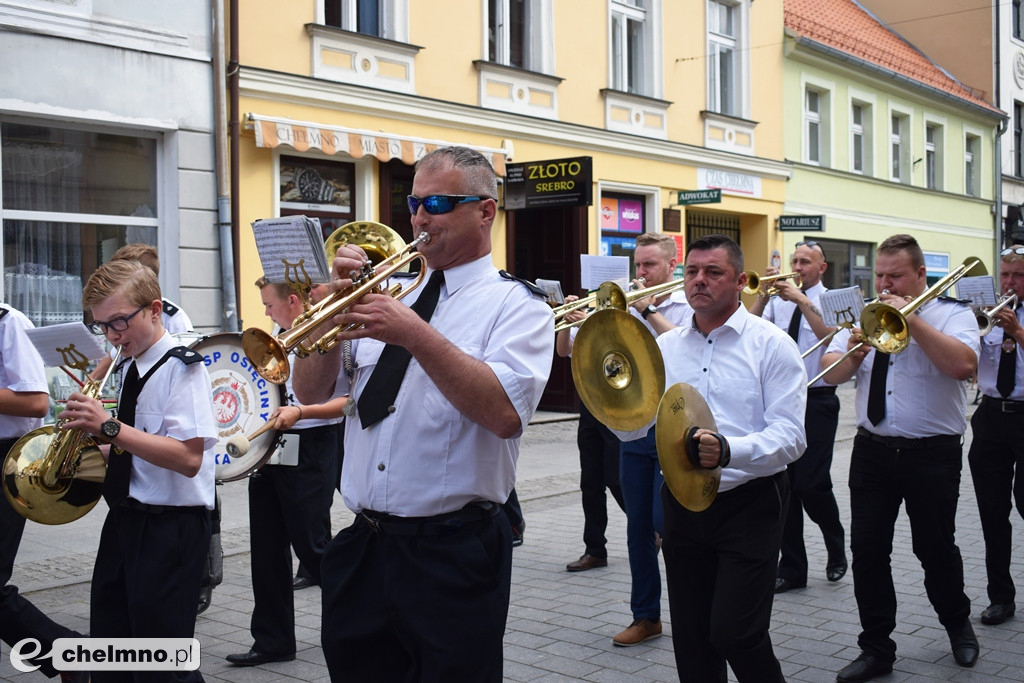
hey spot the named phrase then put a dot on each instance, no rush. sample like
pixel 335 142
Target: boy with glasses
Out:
pixel 160 468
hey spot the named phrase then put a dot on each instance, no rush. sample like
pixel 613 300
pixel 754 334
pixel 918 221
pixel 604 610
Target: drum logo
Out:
pixel 230 403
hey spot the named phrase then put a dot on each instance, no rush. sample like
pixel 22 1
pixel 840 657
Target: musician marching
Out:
pixel 797 309
pixel 910 425
pixel 996 457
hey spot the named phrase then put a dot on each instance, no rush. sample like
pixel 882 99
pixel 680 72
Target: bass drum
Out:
pixel 242 403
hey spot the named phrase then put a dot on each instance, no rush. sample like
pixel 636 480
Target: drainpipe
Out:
pixel 233 127
pixel 229 320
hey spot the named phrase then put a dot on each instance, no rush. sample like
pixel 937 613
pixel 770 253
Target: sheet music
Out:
pixel 842 307
pixel 553 289
pixel 295 240
pixel 597 269
pixel 75 338
pixel 980 290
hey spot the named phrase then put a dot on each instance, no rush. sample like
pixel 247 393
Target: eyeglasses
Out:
pixel 437 204
pixel 117 324
pixel 1012 250
pixel 811 244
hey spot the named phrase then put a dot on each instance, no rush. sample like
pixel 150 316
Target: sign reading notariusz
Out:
pixel 555 182
pixel 802 223
pixel 687 197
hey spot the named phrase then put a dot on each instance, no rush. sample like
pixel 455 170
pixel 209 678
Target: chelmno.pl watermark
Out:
pixel 110 654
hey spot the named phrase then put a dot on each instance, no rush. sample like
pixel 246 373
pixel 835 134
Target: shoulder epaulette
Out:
pixel 404 276
pixel 534 289
pixel 169 308
pixel 953 299
pixel 185 355
pixel 3 311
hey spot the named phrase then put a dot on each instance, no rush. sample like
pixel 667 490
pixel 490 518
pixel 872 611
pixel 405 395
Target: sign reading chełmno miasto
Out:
pixel 555 182
pixel 802 223
pixel 687 197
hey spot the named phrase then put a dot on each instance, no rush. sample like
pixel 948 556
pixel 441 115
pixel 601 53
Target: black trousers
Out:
pixel 927 480
pixel 429 608
pixel 144 585
pixel 996 459
pixel 19 618
pixel 810 483
pixel 289 507
pixel 599 470
pixel 720 565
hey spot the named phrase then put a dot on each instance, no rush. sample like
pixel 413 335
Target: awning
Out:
pixel 303 136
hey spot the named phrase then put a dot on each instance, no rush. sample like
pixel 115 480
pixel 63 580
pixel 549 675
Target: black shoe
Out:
pixel 835 570
pixel 964 643
pixel 205 597
pixel 301 582
pixel 517 534
pixel 864 668
pixel 997 613
pixel 254 658
pixel 782 585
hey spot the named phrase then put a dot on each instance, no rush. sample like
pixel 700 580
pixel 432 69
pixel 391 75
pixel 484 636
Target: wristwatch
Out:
pixel 111 428
pixel 648 311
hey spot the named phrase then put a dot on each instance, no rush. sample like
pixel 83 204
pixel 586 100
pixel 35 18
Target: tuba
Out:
pixel 53 475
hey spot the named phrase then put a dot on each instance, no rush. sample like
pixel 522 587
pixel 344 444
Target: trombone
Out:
pixel 588 301
pixel 269 354
pixel 885 327
pixel 756 284
pixel 986 317
pixel 611 295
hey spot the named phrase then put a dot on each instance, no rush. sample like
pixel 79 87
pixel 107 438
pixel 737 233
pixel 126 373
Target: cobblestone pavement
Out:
pixel 560 625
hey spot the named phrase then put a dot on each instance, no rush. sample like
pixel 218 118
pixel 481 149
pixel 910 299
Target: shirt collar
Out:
pixel 457 276
pixel 737 321
pixel 145 361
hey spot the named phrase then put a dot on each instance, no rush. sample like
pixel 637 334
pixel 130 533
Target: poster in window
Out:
pixel 609 213
pixel 631 216
pixel 322 186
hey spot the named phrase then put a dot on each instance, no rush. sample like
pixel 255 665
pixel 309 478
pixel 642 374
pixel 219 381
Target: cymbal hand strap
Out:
pixel 692 446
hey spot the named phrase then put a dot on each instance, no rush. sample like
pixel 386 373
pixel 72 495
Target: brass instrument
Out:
pixel 53 475
pixel 885 327
pixel 611 295
pixel 269 354
pixel 757 284
pixel 986 316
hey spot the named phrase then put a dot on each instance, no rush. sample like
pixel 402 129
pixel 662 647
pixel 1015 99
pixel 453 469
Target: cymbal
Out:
pixel 681 409
pixel 618 369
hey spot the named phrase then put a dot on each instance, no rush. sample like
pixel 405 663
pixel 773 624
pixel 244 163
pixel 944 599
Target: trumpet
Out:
pixel 53 475
pixel 885 327
pixel 269 354
pixel 986 316
pixel 589 301
pixel 756 283
pixel 611 295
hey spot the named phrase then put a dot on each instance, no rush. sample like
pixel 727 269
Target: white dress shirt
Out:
pixel 780 312
pixel 675 309
pixel 920 400
pixel 427 458
pixel 750 374
pixel 988 364
pixel 177 402
pixel 21 369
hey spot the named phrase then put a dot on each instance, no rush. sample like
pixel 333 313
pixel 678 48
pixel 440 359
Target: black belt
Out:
pixel 902 442
pixel 390 525
pixel 816 391
pixel 133 504
pixel 1003 405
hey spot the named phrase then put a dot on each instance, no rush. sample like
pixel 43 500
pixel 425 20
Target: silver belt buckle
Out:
pixel 374 524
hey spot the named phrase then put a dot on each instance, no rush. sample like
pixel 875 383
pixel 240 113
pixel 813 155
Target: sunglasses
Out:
pixel 437 204
pixel 117 324
pixel 1012 250
pixel 811 244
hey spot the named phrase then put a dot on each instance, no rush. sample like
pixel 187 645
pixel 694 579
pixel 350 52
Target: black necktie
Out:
pixel 1006 375
pixel 378 396
pixel 876 390
pixel 119 463
pixel 794 324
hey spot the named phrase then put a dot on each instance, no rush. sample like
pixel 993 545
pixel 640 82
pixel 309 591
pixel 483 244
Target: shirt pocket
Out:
pixel 437 406
pixel 148 422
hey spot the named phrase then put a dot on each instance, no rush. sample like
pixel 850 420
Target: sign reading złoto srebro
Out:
pixel 555 182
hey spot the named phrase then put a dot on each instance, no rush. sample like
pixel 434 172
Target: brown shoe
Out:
pixel 639 631
pixel 586 561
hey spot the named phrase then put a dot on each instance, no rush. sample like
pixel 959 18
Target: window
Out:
pixel 812 119
pixel 1018 139
pixel 972 144
pixel 723 50
pixel 369 17
pixel 70 199
pixel 899 149
pixel 860 138
pixel 508 36
pixel 1018 29
pixel 933 156
pixel 628 62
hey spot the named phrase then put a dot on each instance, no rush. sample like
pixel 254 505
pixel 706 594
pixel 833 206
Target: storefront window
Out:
pixel 623 217
pixel 318 189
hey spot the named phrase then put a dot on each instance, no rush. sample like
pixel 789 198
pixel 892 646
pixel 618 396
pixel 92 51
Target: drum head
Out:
pixel 242 403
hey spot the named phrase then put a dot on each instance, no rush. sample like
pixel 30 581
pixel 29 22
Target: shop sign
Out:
pixel 555 182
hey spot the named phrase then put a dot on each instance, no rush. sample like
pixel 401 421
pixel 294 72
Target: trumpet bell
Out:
pixel 681 409
pixel 267 355
pixel 623 391
pixel 71 497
